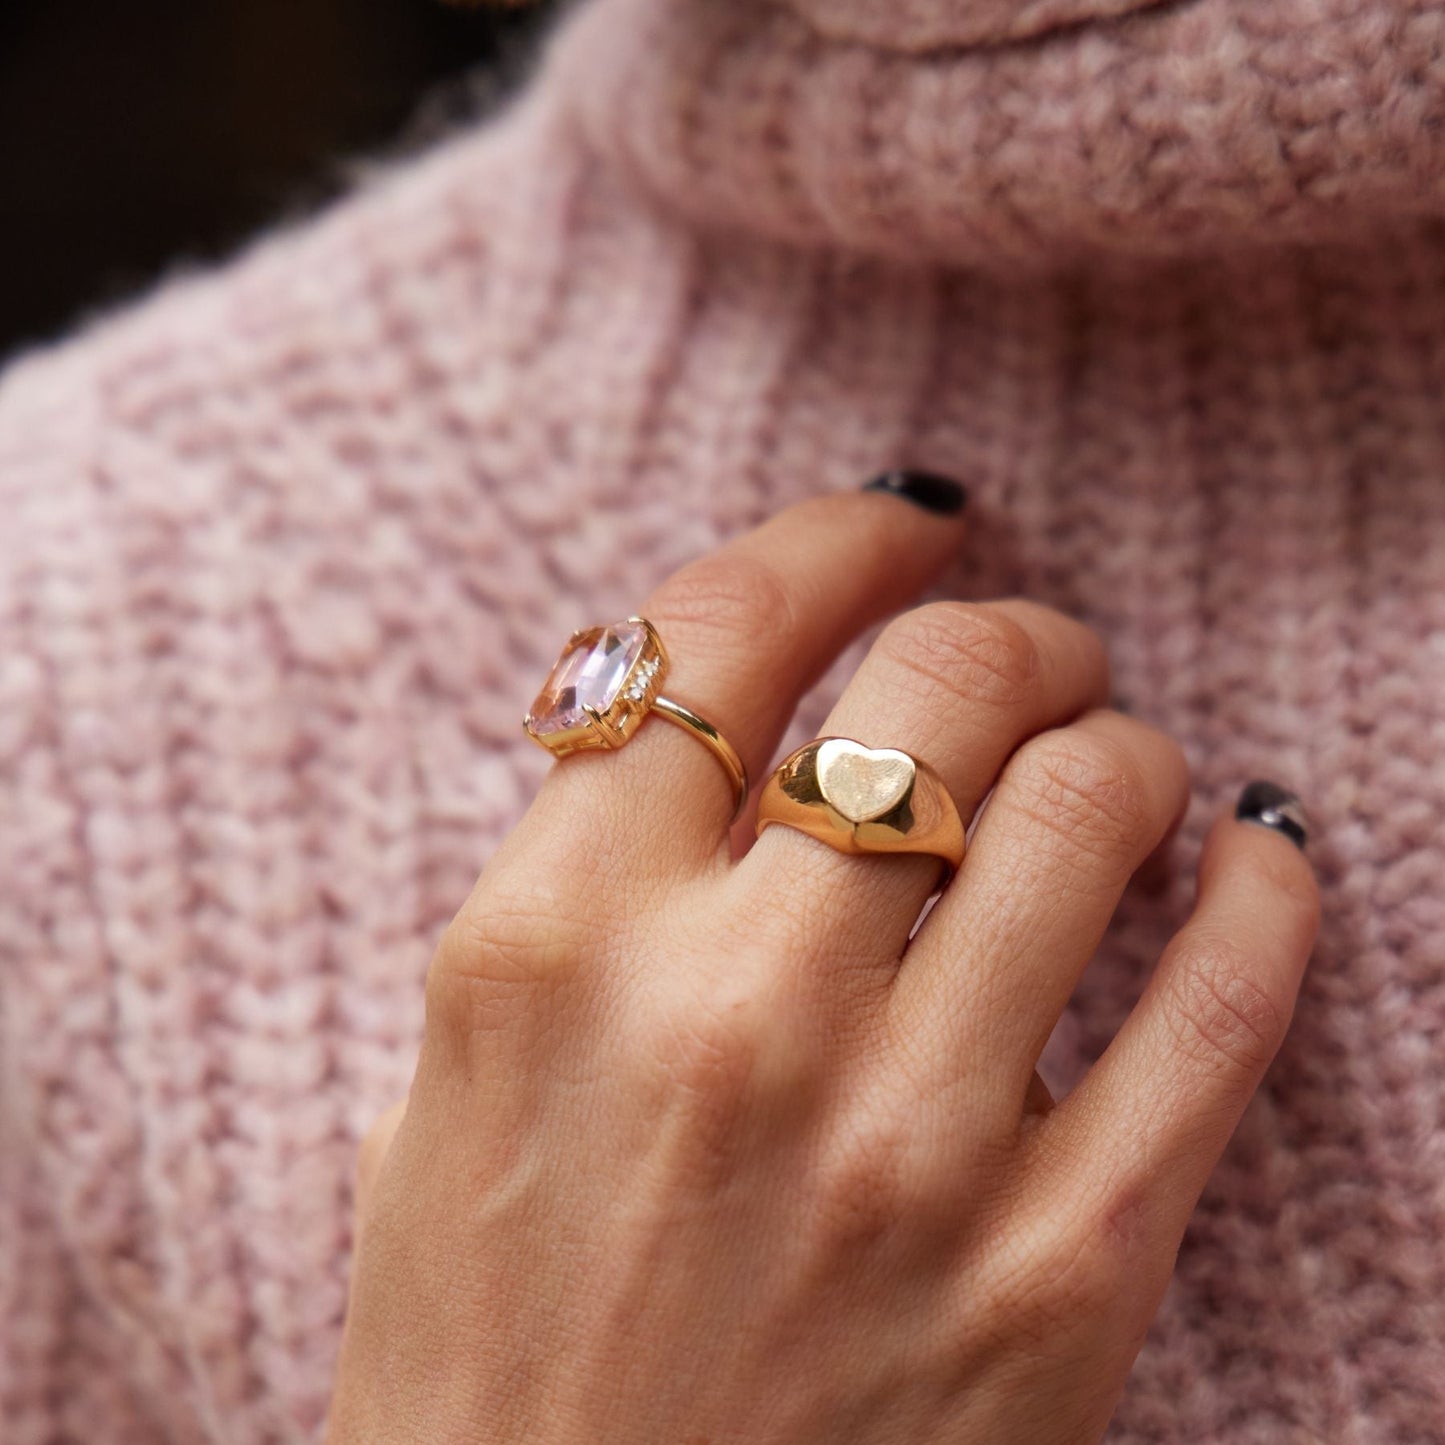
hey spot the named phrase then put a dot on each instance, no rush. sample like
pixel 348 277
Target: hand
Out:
pixel 704 1149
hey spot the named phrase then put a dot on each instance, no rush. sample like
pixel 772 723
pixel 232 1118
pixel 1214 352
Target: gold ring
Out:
pixel 864 800
pixel 604 683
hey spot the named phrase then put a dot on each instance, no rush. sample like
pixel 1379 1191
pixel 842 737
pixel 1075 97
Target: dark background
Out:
pixel 137 133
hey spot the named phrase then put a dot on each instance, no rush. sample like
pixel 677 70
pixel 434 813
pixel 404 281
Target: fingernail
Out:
pixel 1274 807
pixel 928 490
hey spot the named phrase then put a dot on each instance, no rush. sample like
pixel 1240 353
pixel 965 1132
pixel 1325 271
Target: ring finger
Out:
pixel 960 686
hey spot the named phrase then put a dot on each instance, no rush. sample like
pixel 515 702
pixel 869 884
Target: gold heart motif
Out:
pixel 862 783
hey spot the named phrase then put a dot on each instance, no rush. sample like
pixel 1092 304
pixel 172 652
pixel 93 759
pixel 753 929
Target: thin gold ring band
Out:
pixel 720 747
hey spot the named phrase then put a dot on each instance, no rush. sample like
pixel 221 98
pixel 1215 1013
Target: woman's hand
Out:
pixel 707 1150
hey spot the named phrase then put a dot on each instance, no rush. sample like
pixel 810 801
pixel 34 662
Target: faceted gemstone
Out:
pixel 592 668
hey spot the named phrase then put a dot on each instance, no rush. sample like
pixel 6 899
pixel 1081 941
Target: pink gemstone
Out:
pixel 592 669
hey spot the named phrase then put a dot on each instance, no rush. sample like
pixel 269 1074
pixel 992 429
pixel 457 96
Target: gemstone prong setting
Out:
pixel 603 684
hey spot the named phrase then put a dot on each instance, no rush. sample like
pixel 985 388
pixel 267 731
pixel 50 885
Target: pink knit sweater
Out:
pixel 285 550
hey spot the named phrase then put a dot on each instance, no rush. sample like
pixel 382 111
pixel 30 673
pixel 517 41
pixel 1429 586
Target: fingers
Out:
pixel 1073 814
pixel 748 629
pixel 959 685
pixel 1156 1111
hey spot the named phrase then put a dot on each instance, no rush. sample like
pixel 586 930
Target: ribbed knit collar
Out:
pixel 1015 132
pixel 920 25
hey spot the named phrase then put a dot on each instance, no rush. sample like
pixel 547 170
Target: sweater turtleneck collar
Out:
pixel 1006 132
pixel 916 26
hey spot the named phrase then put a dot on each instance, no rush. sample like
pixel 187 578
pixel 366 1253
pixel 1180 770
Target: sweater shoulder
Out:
pixel 229 557
pixel 185 444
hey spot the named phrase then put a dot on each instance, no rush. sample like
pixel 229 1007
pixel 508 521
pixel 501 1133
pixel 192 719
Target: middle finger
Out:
pixel 960 686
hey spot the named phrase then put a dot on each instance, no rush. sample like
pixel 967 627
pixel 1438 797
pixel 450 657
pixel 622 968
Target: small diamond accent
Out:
pixel 646 671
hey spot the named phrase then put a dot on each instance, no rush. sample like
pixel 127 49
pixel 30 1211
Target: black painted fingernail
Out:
pixel 1274 807
pixel 928 490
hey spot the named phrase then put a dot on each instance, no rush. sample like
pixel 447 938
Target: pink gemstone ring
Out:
pixel 607 680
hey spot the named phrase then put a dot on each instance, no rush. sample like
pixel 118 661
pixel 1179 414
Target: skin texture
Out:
pixel 702 1148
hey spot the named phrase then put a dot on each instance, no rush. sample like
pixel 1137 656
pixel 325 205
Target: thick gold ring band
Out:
pixel 602 686
pixel 864 800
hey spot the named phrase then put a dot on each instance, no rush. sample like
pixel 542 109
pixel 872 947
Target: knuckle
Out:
pixel 497 955
pixel 1062 1275
pixel 863 1185
pixel 1082 1282
pixel 708 1042
pixel 966 650
pixel 1218 1015
pixel 738 599
pixel 1088 789
pixel 704 1056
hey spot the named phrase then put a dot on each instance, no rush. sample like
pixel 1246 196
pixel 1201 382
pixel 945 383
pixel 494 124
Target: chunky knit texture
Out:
pixel 286 549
